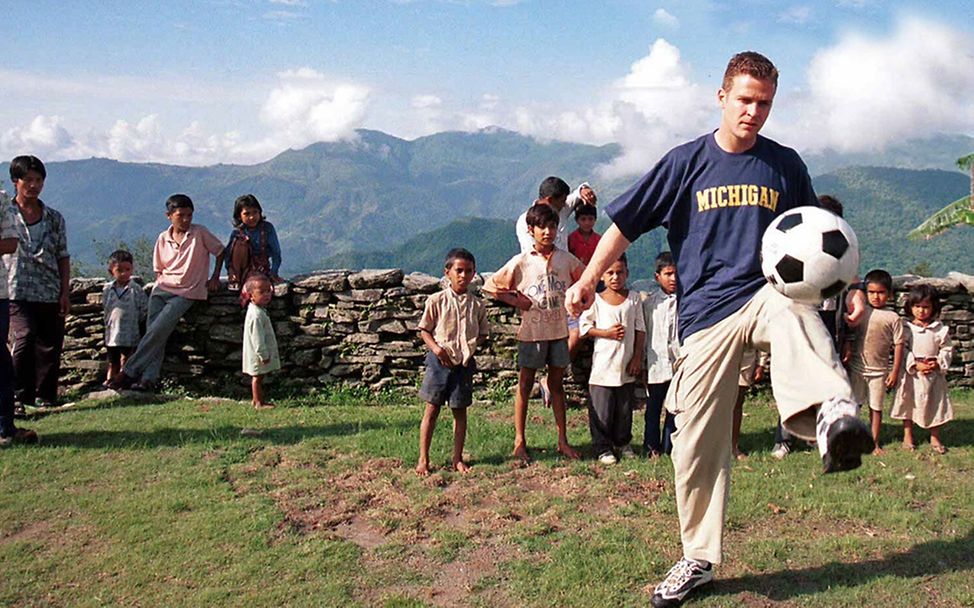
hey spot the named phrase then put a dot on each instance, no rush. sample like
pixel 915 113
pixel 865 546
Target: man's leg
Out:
pixel 6 376
pixel 48 343
pixel 23 328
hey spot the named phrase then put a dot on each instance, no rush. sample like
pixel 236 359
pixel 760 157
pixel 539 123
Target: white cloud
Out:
pixel 795 15
pixel 43 136
pixel 665 18
pixel 866 91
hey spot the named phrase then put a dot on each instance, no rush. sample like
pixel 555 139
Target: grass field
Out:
pixel 206 502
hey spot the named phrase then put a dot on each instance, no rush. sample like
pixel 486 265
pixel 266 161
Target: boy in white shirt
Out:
pixel 662 349
pixel 615 322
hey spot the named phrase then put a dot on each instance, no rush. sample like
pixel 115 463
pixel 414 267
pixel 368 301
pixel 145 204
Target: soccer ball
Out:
pixel 809 254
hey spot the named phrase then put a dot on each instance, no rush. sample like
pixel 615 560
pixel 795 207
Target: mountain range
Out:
pixel 384 201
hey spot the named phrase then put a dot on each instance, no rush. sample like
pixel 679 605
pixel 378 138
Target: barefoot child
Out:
pixel 615 323
pixel 535 282
pixel 922 396
pixel 454 323
pixel 260 355
pixel 867 349
pixel 126 306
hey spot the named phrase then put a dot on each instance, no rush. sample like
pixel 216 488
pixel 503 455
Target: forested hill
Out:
pixel 385 201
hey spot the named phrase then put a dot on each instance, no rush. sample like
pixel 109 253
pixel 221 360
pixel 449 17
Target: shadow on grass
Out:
pixel 925 559
pixel 174 437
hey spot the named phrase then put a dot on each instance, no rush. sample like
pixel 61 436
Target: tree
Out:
pixel 958 212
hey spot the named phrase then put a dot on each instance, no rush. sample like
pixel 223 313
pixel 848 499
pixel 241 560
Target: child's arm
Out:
pixel 616 332
pixel 946 352
pixel 636 363
pixel 257 343
pixel 513 298
pixel 274 252
pixel 500 286
pixel 897 363
pixel 483 331
pixel 104 302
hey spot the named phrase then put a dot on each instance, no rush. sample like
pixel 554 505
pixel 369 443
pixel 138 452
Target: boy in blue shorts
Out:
pixel 535 282
pixel 453 325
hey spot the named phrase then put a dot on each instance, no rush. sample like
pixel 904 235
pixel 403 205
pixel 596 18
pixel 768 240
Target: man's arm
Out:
pixel 214 283
pixel 64 301
pixel 581 295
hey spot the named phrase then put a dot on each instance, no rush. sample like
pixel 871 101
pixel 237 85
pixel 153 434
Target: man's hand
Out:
pixel 579 298
pixel 587 195
pixel 64 305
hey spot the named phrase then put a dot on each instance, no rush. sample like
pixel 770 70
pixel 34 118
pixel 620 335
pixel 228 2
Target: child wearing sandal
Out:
pixel 260 356
pixel 922 396
pixel 253 244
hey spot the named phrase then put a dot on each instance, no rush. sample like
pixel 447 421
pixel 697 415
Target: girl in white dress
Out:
pixel 922 395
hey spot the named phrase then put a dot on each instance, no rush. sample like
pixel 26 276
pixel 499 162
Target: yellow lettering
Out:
pixel 752 195
pixel 734 196
pixel 721 196
pixel 774 199
pixel 764 197
pixel 703 201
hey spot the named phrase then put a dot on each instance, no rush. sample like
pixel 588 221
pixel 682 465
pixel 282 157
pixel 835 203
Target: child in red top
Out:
pixel 582 242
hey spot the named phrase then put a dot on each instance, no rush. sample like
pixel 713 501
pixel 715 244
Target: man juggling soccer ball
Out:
pixel 716 195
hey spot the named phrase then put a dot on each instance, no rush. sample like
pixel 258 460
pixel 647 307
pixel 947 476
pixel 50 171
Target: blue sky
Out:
pixel 240 80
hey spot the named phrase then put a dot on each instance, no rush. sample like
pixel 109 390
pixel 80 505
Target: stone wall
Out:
pixel 359 328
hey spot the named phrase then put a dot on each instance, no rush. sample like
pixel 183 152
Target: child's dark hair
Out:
pixel 624 260
pixel 830 203
pixel 118 256
pixel 541 215
pixel 586 210
pixel 878 276
pixel 244 202
pixel 553 186
pixel 253 279
pixel 918 294
pixel 458 253
pixel 664 260
pixel 21 165
pixel 178 201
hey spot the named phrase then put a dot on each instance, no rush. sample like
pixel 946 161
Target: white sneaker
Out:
pixel 607 458
pixel 780 451
pixel 841 436
pixel 685 576
pixel 626 452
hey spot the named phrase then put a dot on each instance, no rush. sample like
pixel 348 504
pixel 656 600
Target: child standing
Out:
pixel 126 306
pixel 615 322
pixel 454 324
pixel 922 396
pixel 181 261
pixel 662 350
pixel 867 350
pixel 582 242
pixel 260 356
pixel 535 282
pixel 253 244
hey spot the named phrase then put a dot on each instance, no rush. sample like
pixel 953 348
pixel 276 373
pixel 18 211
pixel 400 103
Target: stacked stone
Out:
pixel 359 329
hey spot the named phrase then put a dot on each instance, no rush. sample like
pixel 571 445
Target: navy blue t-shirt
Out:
pixel 715 206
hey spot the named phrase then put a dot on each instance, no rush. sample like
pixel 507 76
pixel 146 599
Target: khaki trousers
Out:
pixel 805 371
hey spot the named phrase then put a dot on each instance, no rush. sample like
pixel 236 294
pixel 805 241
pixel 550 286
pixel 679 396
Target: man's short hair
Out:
pixel 750 63
pixel 541 215
pixel 178 201
pixel 878 276
pixel 458 253
pixel 21 165
pixel 830 203
pixel 664 260
pixel 552 187
pixel 118 256
pixel 586 210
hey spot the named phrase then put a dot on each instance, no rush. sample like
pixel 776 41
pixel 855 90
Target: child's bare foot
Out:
pixel 939 448
pixel 521 453
pixel 461 467
pixel 909 446
pixel 878 451
pixel 263 405
pixel 568 451
pixel 739 454
pixel 422 468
